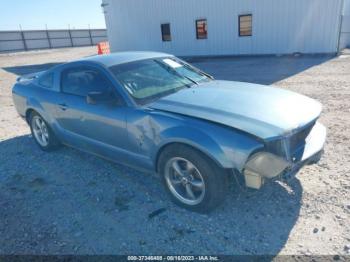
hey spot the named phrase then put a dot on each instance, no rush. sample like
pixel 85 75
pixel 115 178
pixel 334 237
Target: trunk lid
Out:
pixel 29 77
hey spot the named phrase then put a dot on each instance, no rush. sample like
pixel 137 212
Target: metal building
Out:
pixel 227 27
pixel 345 26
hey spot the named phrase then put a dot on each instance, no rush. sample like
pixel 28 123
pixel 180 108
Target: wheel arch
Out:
pixel 227 148
pixel 33 105
pixel 28 113
pixel 31 110
pixel 189 145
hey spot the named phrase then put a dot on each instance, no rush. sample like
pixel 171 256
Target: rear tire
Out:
pixel 192 179
pixel 42 133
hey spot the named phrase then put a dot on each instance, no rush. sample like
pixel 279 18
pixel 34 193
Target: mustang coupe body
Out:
pixel 157 113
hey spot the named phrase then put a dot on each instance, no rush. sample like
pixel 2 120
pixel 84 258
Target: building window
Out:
pixel 166 34
pixel 201 29
pixel 245 25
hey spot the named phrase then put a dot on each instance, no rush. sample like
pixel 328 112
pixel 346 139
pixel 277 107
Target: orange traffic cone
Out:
pixel 103 48
pixel 99 49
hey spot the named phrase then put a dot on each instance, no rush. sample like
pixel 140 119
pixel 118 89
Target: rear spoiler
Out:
pixel 29 77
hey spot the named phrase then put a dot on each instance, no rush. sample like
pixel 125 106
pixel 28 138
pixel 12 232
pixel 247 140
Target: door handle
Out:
pixel 63 106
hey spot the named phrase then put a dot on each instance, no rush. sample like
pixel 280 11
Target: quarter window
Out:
pixel 83 80
pixel 46 80
pixel 202 29
pixel 245 25
pixel 166 34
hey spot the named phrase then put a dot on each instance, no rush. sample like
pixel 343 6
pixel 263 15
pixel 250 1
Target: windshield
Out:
pixel 148 80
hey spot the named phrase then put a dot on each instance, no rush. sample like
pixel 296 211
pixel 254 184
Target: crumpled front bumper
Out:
pixel 311 153
pixel 291 172
pixel 315 141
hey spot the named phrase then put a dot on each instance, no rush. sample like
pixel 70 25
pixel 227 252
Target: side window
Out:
pixel 46 80
pixel 82 80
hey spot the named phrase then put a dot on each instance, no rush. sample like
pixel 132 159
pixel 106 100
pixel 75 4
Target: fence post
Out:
pixel 48 37
pixel 23 39
pixel 70 36
pixel 91 42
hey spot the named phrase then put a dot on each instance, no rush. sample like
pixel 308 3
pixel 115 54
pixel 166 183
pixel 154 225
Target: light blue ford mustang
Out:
pixel 155 112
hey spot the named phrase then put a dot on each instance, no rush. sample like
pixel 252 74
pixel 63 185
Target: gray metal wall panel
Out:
pixel 37 44
pixel 279 27
pixel 97 39
pixel 60 43
pixel 6 46
pixel 345 31
pixel 59 34
pixel 80 33
pixel 34 34
pixel 99 33
pixel 81 41
pixel 10 36
pixel 38 39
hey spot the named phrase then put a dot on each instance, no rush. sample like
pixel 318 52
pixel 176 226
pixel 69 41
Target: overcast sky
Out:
pixel 34 14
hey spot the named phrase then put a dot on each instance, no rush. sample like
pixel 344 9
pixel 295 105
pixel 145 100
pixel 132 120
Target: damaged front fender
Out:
pixel 151 131
pixel 229 148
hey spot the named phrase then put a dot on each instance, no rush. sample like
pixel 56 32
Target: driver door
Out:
pixel 99 127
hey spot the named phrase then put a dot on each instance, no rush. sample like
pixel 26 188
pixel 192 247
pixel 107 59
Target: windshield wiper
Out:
pixel 197 71
pixel 170 69
pixel 193 81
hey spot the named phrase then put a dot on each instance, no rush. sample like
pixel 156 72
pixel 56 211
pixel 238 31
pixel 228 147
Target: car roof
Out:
pixel 123 57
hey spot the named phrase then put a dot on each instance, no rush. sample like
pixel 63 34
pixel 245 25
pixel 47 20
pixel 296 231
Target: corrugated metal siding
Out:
pixel 345 31
pixel 279 26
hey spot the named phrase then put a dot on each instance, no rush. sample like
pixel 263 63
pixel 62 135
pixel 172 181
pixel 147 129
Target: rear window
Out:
pixel 46 80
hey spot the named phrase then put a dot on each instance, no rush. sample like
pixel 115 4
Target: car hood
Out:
pixel 263 111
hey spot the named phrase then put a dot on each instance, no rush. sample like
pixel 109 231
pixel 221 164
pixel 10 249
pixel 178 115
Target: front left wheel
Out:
pixel 192 179
pixel 42 133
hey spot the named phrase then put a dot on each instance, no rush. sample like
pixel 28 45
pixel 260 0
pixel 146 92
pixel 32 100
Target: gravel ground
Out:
pixel 69 202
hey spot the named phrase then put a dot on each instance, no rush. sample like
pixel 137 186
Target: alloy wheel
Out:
pixel 185 181
pixel 40 131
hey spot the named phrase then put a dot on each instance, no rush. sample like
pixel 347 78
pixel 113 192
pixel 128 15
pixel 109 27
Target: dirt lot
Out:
pixel 69 202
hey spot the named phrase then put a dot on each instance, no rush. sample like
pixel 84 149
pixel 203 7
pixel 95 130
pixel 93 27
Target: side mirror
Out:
pixel 99 98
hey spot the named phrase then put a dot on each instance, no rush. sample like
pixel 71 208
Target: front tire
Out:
pixel 42 133
pixel 192 179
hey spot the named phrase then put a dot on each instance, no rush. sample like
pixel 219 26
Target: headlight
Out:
pixel 266 164
pixel 263 165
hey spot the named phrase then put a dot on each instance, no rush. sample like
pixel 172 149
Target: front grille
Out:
pixel 290 147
